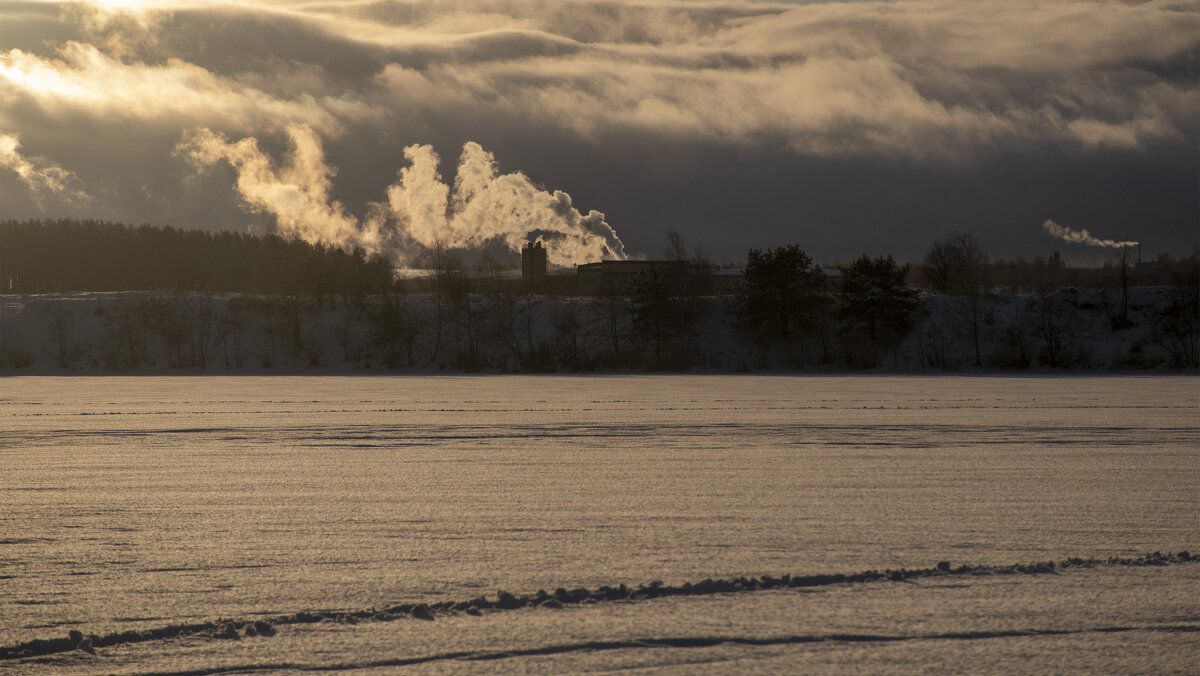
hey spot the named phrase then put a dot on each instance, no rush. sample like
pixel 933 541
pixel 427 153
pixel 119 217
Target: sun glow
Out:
pixel 120 5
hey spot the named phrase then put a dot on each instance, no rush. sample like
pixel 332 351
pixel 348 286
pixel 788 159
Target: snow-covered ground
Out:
pixel 161 332
pixel 1097 621
pixel 133 504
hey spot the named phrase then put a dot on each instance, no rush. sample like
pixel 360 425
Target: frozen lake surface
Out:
pixel 134 503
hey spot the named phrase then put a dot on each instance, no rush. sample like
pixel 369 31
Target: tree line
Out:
pixel 88 255
pixel 306 301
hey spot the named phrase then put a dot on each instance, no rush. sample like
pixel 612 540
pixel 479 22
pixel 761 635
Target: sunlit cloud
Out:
pixel 930 85
pixel 925 80
pixel 42 176
pixel 84 82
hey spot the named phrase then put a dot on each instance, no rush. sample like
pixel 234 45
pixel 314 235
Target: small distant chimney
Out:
pixel 533 264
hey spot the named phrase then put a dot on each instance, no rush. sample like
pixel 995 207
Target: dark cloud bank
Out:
pixel 846 127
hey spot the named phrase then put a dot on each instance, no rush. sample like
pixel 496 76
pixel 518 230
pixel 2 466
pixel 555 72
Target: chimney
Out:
pixel 533 264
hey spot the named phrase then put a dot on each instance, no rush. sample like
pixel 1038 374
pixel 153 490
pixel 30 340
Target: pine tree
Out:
pixel 782 291
pixel 875 299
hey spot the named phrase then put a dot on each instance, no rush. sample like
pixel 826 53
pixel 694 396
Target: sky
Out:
pixel 601 125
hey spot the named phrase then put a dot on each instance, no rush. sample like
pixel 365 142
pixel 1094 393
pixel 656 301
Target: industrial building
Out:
pixel 533 265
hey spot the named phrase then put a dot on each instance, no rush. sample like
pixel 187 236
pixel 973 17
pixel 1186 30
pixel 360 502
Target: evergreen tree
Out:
pixel 782 291
pixel 70 255
pixel 874 299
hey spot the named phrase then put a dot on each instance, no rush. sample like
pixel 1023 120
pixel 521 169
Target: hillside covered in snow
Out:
pixel 1154 328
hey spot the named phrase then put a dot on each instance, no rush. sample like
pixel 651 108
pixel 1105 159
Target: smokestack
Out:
pixel 533 264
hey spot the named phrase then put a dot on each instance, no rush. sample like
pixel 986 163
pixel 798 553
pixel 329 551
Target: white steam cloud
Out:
pixel 484 208
pixel 39 174
pixel 296 193
pixel 488 206
pixel 1081 236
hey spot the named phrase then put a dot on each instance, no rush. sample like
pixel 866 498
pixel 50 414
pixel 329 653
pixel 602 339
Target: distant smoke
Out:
pixel 486 207
pixel 39 174
pixel 1081 236
pixel 296 194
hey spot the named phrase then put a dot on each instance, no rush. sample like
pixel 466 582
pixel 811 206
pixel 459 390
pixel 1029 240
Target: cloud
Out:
pixel 923 80
pixel 41 175
pixel 85 82
pixel 1007 100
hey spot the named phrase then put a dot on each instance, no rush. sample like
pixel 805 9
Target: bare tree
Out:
pixel 126 334
pixel 1054 322
pixel 452 297
pixel 1121 259
pixel 1177 326
pixel 615 313
pixel 394 329
pixel 958 266
pixel 939 268
pixel 676 251
pixel 61 322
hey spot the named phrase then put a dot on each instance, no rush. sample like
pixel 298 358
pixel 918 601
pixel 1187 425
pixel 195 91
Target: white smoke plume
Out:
pixel 488 206
pixel 485 207
pixel 39 174
pixel 296 193
pixel 1081 236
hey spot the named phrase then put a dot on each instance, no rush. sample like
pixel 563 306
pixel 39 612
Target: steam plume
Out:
pixel 1081 236
pixel 39 174
pixel 488 206
pixel 485 206
pixel 296 194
